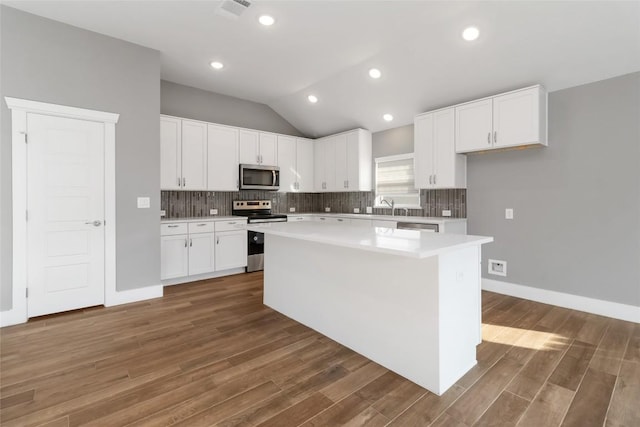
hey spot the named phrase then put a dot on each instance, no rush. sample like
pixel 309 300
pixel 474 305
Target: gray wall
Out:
pixel 48 61
pixel 184 101
pixel 389 143
pixel 576 226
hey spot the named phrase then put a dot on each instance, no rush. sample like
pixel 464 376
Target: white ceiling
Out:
pixel 327 47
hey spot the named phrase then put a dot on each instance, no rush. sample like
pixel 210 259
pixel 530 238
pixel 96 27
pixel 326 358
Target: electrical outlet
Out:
pixel 327 209
pixel 292 209
pixel 163 213
pixel 369 209
pixel 508 213
pixel 213 211
pixel 446 213
pixel 497 267
pixel 356 210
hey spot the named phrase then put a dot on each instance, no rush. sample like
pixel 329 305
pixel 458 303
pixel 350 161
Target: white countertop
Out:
pixel 397 218
pixel 203 219
pixel 409 243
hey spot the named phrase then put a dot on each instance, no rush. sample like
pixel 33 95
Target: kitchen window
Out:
pixel 395 180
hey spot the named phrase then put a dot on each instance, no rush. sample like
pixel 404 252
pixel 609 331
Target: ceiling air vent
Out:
pixel 233 8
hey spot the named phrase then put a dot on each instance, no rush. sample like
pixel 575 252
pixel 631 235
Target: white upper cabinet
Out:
pixel 359 161
pixel 295 160
pixel 436 163
pixel 513 119
pixel 287 163
pixel 517 118
pixel 258 148
pixel 474 126
pixel 170 153
pixel 304 165
pixel 248 144
pixel 222 153
pixel 183 154
pixel 268 149
pixel 343 162
pixel 194 155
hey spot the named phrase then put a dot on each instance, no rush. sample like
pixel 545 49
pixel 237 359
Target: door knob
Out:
pixel 96 223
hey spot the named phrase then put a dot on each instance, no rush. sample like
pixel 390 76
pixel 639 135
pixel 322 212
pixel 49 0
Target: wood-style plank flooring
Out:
pixel 210 353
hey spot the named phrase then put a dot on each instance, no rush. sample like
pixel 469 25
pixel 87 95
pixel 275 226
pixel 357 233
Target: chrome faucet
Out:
pixel 391 205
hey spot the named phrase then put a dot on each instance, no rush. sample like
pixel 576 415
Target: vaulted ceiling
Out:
pixel 326 48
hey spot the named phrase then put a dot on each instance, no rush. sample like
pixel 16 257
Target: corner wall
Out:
pixel 48 61
pixel 576 226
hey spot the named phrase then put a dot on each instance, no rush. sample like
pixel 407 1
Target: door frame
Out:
pixel 19 110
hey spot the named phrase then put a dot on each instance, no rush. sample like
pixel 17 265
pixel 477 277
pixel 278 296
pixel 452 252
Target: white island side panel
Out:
pixel 385 307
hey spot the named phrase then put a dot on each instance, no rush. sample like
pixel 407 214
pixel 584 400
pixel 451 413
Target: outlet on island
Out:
pixel 327 209
pixel 356 210
pixel 292 209
pixel 213 211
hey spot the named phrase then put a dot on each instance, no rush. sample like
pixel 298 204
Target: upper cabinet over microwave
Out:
pixel 512 119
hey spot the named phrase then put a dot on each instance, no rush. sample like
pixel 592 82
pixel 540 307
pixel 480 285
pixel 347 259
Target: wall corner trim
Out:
pixel 629 313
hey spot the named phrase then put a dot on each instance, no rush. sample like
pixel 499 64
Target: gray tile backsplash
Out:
pixel 181 204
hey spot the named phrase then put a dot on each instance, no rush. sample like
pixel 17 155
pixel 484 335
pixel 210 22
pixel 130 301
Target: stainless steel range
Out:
pixel 257 212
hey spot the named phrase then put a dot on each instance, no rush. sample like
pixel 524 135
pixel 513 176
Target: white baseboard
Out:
pixel 18 315
pixel 133 295
pixel 12 317
pixel 195 278
pixel 630 313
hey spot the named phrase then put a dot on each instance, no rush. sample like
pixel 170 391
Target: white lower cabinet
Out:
pixel 201 248
pixel 174 252
pixel 231 249
pixel 201 253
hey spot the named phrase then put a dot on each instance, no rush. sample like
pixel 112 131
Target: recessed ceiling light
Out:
pixel 374 73
pixel 470 33
pixel 312 99
pixel 388 117
pixel 266 20
pixel 217 65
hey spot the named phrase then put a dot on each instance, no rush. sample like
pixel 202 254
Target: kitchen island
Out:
pixel 408 300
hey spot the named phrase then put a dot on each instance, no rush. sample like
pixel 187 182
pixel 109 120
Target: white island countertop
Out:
pixel 409 243
pixel 396 218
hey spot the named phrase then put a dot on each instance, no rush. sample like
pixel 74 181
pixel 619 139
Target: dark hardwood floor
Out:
pixel 210 353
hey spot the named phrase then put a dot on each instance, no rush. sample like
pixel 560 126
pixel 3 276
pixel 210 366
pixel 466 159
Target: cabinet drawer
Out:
pixel 201 227
pixel 235 224
pixel 173 229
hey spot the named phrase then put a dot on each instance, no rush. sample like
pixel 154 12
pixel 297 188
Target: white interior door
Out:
pixel 65 205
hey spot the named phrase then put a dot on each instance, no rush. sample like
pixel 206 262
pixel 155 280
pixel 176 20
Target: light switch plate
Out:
pixel 369 209
pixel 163 213
pixel 213 211
pixel 356 210
pixel 144 202
pixel 292 209
pixel 508 213
pixel 327 209
pixel 446 212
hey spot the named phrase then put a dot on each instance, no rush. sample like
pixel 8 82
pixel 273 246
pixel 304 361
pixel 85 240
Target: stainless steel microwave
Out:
pixel 259 177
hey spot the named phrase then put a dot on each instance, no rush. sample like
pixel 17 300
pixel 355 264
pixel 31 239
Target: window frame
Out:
pixel 376 202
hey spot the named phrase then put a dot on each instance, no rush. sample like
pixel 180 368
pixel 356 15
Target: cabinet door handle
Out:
pixel 201 225
pixel 190 242
pixel 217 240
pixel 495 136
pixel 232 223
pixel 435 178
pixel 430 179
pixel 184 182
pixel 178 181
pixel 185 243
pixel 173 226
pixel 489 138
